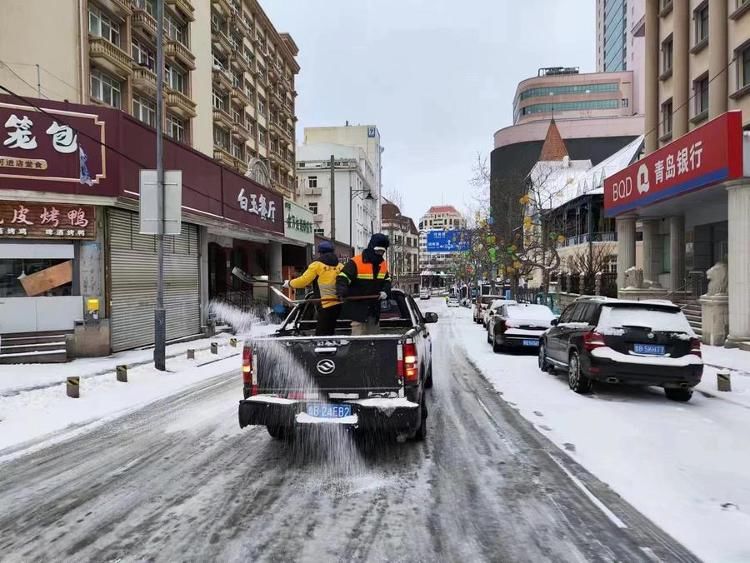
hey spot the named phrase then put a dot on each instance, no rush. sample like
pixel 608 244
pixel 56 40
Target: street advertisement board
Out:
pixel 707 155
pixel 447 241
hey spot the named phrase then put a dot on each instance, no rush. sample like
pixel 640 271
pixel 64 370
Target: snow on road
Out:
pixel 683 465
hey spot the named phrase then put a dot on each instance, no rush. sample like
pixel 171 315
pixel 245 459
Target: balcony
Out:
pixel 121 8
pixel 180 103
pixel 241 131
pixel 144 21
pixel 241 24
pixel 180 54
pixel 110 57
pixel 222 80
pixel 220 39
pixel 144 80
pixel 223 119
pixel 239 95
pixel 223 156
pixel 222 6
pixel 184 7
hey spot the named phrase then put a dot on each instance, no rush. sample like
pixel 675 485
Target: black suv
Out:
pixel 633 342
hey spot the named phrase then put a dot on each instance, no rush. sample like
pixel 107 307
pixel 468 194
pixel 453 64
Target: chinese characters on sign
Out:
pixel 257 205
pixel 20 136
pixel 298 223
pixel 39 221
pixel 446 241
pixel 706 156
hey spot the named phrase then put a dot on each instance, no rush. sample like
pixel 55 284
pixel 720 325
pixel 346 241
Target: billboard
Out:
pixel 707 155
pixel 447 241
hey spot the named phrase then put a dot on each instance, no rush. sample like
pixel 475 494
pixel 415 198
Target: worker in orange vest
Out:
pixel 365 274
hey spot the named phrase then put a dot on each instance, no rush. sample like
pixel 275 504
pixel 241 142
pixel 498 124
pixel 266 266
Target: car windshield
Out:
pixel 652 318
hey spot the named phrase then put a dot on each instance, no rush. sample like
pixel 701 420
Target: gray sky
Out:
pixel 436 77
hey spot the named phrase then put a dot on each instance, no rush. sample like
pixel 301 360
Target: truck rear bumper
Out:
pixel 384 415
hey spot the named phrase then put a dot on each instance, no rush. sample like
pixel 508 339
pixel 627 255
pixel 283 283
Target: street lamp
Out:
pixel 352 194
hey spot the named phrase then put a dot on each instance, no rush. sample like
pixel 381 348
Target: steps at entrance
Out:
pixel 33 348
pixel 694 314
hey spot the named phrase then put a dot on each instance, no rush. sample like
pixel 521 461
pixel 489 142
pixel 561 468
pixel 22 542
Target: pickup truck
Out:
pixel 373 383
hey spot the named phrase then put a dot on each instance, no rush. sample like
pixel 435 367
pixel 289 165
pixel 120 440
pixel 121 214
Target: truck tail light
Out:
pixel 695 347
pixel 248 373
pixel 592 340
pixel 411 366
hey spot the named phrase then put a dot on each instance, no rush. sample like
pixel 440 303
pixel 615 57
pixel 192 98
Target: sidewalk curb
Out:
pixel 14 392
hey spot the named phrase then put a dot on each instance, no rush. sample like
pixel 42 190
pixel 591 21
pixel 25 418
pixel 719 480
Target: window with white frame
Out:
pixel 143 55
pixel 221 137
pixel 177 128
pixel 219 101
pixel 147 5
pixel 102 25
pixel 312 182
pixel 105 88
pixel 175 29
pixel 144 110
pixel 175 78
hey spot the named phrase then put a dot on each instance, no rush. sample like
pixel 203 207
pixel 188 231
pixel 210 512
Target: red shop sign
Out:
pixel 706 156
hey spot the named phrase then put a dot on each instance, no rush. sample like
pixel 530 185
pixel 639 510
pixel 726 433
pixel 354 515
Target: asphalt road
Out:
pixel 179 481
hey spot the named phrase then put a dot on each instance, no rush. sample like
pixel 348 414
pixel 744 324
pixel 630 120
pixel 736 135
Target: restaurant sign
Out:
pixel 705 156
pixel 298 223
pixel 23 220
pixel 40 147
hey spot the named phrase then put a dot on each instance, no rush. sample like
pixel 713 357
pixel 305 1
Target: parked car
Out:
pixel 518 326
pixel 492 310
pixel 369 383
pixel 425 294
pixel 631 342
pixel 453 302
pixel 481 304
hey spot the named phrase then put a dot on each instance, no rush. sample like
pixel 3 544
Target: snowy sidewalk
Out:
pixel 34 408
pixel 738 363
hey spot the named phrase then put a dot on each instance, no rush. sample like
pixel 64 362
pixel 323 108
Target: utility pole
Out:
pixel 160 315
pixel 38 81
pixel 333 199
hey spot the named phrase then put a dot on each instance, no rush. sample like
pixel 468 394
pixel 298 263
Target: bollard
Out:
pixel 214 348
pixel 724 380
pixel 122 374
pixel 73 387
pixel 233 342
pixel 191 354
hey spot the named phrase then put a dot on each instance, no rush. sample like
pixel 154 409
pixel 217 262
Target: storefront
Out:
pixel 691 202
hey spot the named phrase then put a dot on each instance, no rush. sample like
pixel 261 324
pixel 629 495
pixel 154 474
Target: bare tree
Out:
pixel 395 196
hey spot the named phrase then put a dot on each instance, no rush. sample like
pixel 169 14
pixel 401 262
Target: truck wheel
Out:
pixel 278 432
pixel 428 381
pixel 679 395
pixel 421 433
pixel 577 381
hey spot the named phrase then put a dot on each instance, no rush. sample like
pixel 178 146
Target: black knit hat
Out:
pixel 379 240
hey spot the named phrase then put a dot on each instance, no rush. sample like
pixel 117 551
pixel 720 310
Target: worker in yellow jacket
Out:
pixel 322 274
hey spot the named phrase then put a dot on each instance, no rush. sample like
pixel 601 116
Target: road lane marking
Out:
pixel 508 444
pixel 591 496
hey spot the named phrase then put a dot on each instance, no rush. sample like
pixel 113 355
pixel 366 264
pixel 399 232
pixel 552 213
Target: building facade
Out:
pixel 438 219
pixel 367 138
pixel 354 182
pixel 403 253
pixel 692 205
pixel 563 92
pixel 229 74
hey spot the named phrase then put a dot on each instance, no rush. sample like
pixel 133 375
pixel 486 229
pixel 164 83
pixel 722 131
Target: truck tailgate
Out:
pixel 344 365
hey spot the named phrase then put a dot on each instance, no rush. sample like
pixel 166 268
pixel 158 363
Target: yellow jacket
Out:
pixel 323 278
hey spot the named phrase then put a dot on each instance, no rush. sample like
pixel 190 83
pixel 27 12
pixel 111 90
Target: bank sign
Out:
pixel 447 241
pixel 707 155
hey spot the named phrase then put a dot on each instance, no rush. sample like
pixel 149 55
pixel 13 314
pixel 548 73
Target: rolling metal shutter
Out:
pixel 133 282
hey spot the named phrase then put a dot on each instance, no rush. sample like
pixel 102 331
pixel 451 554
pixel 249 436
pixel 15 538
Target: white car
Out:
pixel 424 294
pixel 453 302
pixel 493 309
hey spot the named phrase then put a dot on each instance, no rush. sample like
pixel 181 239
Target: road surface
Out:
pixel 179 481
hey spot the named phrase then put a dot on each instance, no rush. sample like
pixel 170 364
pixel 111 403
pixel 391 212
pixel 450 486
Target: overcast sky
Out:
pixel 437 77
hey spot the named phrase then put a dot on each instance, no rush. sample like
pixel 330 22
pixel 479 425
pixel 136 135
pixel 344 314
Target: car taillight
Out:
pixel 592 339
pixel 695 347
pixel 248 374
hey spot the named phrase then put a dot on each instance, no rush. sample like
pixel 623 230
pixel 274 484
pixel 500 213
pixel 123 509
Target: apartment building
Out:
pixel 229 74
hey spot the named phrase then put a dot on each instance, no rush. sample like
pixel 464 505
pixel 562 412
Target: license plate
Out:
pixel 650 349
pixel 531 343
pixel 325 410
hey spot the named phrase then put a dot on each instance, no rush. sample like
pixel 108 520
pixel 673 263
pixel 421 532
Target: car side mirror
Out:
pixel 553 322
pixel 430 318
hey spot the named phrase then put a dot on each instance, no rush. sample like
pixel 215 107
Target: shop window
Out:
pixel 13 270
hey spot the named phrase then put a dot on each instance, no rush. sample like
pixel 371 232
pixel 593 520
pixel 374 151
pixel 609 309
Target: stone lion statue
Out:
pixel 634 278
pixel 717 279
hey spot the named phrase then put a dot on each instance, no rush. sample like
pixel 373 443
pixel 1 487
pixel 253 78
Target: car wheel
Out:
pixel 543 363
pixel 497 348
pixel 421 432
pixel 577 381
pixel 489 337
pixel 679 395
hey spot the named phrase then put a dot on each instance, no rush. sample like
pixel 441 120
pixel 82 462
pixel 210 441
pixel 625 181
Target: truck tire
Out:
pixel 428 380
pixel 278 432
pixel 679 395
pixel 421 434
